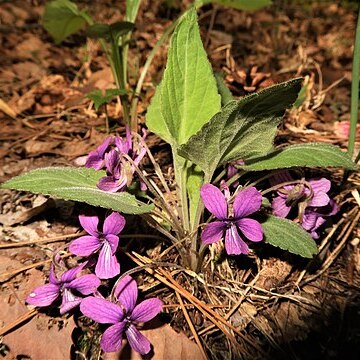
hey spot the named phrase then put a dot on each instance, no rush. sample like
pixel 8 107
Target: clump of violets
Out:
pixel 124 316
pixel 233 222
pixel 110 155
pixel 104 243
pixel 69 287
pixel 310 197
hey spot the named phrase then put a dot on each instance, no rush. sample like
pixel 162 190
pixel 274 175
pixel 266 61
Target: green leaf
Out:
pixel 77 184
pixel 288 236
pixel 132 7
pixel 301 97
pixel 187 97
pixel 301 155
pixel 249 5
pixel 100 98
pixel 107 32
pixel 243 129
pixel 121 28
pixel 62 18
pixel 98 31
pixel 225 93
pixel 155 120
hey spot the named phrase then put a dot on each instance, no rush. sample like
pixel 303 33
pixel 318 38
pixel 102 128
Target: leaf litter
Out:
pixel 277 304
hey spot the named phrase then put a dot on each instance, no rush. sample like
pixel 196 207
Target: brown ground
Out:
pixel 278 309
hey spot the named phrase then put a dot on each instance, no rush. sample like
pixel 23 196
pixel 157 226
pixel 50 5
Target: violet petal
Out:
pixel 86 284
pixel 69 301
pixel 213 232
pixel 112 160
pixel 111 339
pixel 234 245
pixel 85 245
pixel 101 310
pixel 110 184
pixel 214 201
pixel 52 276
pixel 96 157
pixel 246 202
pixel 126 292
pixel 107 265
pixel 137 341
pixel 70 275
pixel 279 207
pixel 251 229
pixel 113 241
pixel 309 220
pixel 146 310
pixel 94 160
pixel 90 224
pixel 113 224
pixel 43 295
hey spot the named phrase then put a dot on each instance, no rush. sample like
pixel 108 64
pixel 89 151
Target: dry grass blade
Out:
pixel 191 326
pixel 41 241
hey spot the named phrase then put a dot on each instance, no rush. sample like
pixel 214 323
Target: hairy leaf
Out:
pixel 187 97
pixel 243 129
pixel 77 184
pixel 301 155
pixel 62 18
pixel 288 236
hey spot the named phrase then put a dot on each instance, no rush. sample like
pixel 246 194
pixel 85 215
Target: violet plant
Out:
pixel 205 139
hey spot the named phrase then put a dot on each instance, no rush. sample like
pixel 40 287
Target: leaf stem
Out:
pixel 118 71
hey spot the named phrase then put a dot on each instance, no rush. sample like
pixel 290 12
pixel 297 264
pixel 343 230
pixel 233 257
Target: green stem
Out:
pixel 180 167
pixel 354 90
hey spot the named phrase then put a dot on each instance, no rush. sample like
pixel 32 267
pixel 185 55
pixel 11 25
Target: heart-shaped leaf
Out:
pixel 62 18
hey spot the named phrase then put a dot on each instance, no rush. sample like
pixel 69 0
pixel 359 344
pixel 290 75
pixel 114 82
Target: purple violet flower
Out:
pixel 314 217
pixel 291 195
pixel 96 158
pixel 119 170
pixel 123 316
pixel 68 287
pixel 118 177
pixel 232 219
pixel 104 242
